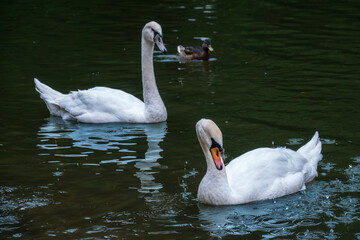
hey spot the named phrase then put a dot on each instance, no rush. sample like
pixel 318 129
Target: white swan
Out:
pixel 101 104
pixel 263 173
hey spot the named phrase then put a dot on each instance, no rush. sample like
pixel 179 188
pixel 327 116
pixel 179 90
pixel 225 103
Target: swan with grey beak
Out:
pixel 102 104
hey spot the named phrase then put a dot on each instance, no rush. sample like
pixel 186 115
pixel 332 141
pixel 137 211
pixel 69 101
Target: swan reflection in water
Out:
pixel 109 137
pixel 277 218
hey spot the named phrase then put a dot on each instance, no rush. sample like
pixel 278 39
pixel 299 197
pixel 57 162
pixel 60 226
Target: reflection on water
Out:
pixel 87 139
pixel 155 134
pixel 15 200
pixel 100 137
pixel 176 58
pixel 166 58
pixel 282 68
pixel 276 218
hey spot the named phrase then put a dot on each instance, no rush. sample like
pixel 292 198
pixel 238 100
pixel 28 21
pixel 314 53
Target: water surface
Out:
pixel 280 71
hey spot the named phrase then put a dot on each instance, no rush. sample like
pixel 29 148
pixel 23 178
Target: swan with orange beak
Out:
pixel 263 173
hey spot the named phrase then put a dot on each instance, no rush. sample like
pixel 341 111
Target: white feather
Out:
pixel 101 104
pixel 263 173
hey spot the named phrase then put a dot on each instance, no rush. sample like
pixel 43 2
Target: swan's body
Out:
pixel 263 173
pixel 196 52
pixel 102 104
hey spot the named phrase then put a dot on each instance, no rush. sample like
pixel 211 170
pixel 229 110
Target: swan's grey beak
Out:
pixel 160 44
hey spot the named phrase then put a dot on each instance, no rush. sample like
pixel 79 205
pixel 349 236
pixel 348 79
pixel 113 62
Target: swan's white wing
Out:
pixel 101 104
pixel 267 173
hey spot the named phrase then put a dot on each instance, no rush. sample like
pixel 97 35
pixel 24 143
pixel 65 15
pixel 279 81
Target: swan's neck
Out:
pixel 214 187
pixel 155 107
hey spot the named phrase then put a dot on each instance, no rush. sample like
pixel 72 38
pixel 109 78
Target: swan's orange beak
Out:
pixel 216 155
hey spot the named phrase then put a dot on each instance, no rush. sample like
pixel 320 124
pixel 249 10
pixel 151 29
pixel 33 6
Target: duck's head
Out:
pixel 210 139
pixel 152 32
pixel 207 45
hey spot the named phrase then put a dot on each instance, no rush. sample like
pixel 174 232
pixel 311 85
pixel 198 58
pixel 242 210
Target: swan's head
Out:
pixel 210 139
pixel 152 32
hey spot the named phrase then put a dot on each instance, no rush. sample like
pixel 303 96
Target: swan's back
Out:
pixel 266 173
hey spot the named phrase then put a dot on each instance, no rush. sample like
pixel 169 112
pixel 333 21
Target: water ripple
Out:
pixel 284 216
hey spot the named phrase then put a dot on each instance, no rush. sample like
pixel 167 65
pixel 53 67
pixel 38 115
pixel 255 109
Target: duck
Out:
pixel 260 174
pixel 196 52
pixel 103 104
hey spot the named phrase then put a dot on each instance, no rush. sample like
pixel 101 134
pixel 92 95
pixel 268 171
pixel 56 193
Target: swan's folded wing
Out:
pixel 259 170
pixel 101 104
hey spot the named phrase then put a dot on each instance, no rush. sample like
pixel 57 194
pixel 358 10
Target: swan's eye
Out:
pixel 214 144
pixel 156 34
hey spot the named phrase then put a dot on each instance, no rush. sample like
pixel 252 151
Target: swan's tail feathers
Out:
pixel 49 96
pixel 45 91
pixel 312 151
pixel 180 49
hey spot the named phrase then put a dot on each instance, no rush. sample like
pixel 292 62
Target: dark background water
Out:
pixel 281 70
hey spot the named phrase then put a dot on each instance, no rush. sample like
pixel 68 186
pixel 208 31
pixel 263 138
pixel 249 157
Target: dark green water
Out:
pixel 281 71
